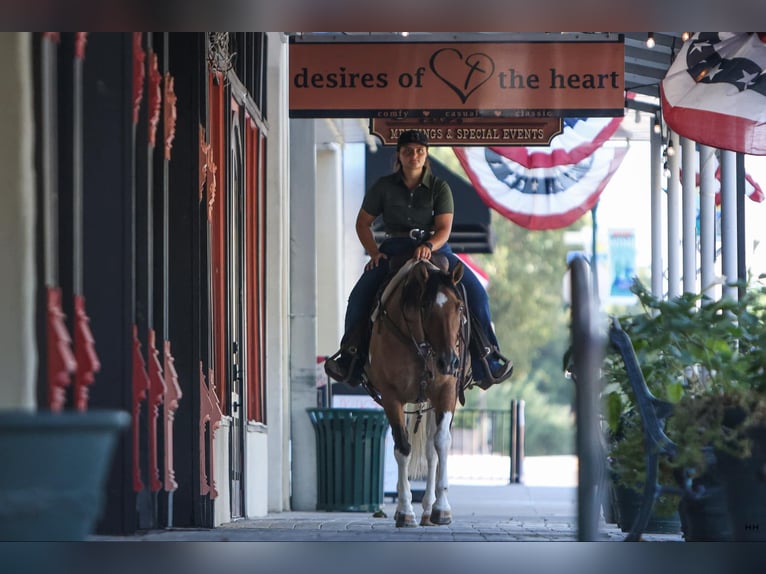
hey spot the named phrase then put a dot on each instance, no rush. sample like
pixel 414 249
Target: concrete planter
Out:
pixel 53 469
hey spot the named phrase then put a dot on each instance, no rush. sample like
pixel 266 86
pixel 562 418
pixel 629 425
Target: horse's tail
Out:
pixel 418 437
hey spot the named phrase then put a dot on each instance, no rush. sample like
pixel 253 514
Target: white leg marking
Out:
pixel 442 442
pixel 403 492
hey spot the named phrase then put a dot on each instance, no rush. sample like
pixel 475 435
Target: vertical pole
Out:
pixel 656 212
pixel 729 260
pixel 587 348
pixel 689 214
pixel 674 219
pixel 513 439
pixel 520 429
pixel 707 220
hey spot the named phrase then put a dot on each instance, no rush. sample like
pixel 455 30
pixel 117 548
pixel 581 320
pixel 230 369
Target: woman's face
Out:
pixel 413 156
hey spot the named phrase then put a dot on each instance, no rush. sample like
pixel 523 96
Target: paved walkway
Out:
pixel 506 513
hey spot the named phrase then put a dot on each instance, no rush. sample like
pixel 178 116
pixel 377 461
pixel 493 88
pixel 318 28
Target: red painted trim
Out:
pixel 203 154
pixel 85 354
pixel 205 408
pixel 61 360
pixel 156 394
pixel 80 40
pixel 154 96
pixel 139 73
pixel 211 169
pixel 172 397
pixel 215 423
pixel 140 386
pixel 169 114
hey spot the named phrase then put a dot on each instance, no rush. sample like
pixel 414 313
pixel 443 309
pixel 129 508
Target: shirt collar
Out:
pixel 426 181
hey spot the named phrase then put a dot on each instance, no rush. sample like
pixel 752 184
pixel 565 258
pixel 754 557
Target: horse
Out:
pixel 418 356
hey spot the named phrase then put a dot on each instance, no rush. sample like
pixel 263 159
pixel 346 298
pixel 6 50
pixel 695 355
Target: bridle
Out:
pixel 424 348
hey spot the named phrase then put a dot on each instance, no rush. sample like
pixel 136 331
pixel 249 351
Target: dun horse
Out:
pixel 417 359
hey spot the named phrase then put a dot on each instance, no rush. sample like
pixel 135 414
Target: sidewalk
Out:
pixel 542 508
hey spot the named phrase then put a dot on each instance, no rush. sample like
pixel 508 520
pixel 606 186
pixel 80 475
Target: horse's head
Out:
pixel 432 295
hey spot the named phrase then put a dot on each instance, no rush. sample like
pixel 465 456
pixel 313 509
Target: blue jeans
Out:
pixel 362 296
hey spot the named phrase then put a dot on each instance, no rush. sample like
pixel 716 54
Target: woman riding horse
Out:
pixel 417 209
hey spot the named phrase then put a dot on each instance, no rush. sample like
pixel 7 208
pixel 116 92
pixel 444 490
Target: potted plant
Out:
pixel 706 358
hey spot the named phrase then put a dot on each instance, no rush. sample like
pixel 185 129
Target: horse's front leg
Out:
pixel 441 513
pixel 430 493
pixel 404 515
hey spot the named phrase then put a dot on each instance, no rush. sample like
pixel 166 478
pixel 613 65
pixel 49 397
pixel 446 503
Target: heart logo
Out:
pixel 463 75
pixel 426 113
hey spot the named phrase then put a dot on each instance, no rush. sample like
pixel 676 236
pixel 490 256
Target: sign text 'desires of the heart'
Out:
pixel 458 79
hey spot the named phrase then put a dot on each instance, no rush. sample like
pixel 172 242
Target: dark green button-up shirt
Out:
pixel 403 209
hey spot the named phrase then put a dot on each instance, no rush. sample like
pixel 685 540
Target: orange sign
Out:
pixel 478 132
pixel 457 79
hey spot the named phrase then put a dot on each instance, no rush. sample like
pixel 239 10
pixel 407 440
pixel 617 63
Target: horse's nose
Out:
pixel 448 365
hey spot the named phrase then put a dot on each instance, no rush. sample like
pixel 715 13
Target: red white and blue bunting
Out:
pixel 540 198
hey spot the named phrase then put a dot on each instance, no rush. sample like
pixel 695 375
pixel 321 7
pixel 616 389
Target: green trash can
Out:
pixel 350 455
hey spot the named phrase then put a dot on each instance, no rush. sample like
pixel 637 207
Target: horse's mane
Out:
pixel 415 292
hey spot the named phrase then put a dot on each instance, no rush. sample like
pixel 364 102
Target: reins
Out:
pixel 424 349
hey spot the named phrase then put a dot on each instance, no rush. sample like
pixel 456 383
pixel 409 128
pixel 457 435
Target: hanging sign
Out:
pixel 471 132
pixel 456 79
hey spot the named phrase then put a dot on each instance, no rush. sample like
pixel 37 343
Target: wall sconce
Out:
pixel 685 36
pixel 650 40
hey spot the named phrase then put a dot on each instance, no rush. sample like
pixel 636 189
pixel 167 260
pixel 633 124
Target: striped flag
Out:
pixel 752 188
pixel 715 91
pixel 580 138
pixel 475 268
pixel 539 198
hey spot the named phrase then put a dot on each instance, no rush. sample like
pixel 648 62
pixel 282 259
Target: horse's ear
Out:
pixel 421 273
pixel 457 272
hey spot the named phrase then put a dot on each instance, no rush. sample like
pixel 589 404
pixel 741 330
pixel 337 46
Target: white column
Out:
pixel 277 276
pixel 689 214
pixel 729 221
pixel 303 313
pixel 707 220
pixel 329 242
pixel 18 349
pixel 656 214
pixel 674 221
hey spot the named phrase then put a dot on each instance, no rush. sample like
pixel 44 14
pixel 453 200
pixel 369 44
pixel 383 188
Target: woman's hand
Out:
pixel 375 260
pixel 422 251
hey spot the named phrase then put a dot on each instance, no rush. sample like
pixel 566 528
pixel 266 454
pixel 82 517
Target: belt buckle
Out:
pixel 417 234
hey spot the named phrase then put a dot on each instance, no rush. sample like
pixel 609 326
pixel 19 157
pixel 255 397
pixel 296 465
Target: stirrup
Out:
pixel 331 367
pixel 489 378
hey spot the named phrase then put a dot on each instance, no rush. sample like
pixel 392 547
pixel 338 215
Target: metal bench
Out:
pixel 653 413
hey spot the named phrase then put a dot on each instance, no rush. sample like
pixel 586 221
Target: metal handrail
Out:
pixel 587 348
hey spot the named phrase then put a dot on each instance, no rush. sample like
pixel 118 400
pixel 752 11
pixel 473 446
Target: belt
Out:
pixel 416 234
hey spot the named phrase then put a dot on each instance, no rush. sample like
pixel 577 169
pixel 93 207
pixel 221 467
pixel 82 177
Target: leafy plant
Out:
pixel 707 358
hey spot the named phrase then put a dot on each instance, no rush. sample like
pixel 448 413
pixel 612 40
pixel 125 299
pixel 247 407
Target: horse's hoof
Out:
pixel 405 520
pixel 425 520
pixel 441 517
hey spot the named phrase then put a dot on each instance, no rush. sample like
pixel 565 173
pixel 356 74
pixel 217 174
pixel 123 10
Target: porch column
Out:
pixel 689 214
pixel 658 265
pixel 674 220
pixel 18 350
pixel 303 312
pixel 330 256
pixel 729 241
pixel 707 220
